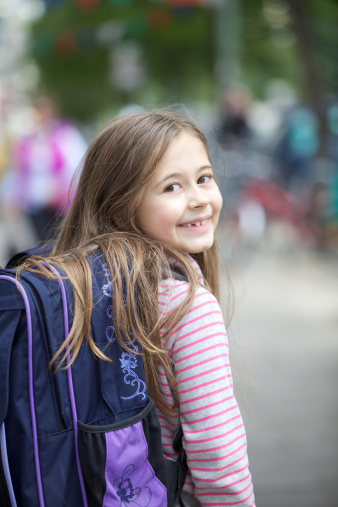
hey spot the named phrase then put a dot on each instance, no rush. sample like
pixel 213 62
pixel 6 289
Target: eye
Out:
pixel 174 187
pixel 205 178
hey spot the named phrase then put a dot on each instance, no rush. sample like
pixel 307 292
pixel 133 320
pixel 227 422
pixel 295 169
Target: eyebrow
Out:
pixel 177 175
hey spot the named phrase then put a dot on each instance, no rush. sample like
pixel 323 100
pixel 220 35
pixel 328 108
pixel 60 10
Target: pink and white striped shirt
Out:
pixel 214 435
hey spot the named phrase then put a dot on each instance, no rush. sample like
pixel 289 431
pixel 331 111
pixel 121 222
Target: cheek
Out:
pixel 158 221
pixel 217 202
pixel 165 218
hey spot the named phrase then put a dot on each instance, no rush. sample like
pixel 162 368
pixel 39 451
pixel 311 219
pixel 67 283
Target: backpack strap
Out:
pixel 10 338
pixel 182 463
pixel 7 497
pixel 9 320
pixel 178 274
pixel 70 381
pixel 11 306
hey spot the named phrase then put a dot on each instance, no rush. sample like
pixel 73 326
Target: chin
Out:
pixel 202 248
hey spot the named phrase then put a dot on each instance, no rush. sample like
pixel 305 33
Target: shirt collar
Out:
pixel 174 263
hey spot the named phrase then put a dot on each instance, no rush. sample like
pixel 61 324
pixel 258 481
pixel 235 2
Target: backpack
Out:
pixel 87 435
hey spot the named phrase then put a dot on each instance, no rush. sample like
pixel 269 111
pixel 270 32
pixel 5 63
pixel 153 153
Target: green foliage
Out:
pixel 180 57
pixel 75 66
pixel 323 21
pixel 262 58
pixel 73 47
pixel 273 50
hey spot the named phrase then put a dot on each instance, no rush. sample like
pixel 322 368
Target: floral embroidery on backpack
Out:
pixel 128 360
pixel 126 491
pixel 128 364
pixel 107 287
pixel 111 337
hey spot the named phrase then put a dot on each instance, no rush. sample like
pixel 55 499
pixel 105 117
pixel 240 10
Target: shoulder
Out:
pixel 202 323
pixel 172 292
pixel 173 289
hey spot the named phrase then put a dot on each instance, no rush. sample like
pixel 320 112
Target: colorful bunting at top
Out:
pixel 159 18
pixel 135 26
pixel 120 3
pixel 65 42
pixel 79 3
pixel 183 8
pixel 53 3
pixel 183 3
pixel 175 4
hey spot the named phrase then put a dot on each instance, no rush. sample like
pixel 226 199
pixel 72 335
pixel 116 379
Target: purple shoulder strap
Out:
pixel 70 383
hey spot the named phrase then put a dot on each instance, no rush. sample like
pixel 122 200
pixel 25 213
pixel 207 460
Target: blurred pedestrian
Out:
pixel 297 150
pixel 43 165
pixel 234 128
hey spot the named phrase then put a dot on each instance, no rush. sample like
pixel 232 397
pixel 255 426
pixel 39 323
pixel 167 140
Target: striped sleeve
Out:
pixel 214 435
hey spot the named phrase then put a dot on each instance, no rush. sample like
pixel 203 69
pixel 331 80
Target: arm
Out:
pixel 214 435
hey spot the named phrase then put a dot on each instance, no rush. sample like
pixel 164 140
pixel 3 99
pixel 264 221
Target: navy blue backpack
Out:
pixel 83 436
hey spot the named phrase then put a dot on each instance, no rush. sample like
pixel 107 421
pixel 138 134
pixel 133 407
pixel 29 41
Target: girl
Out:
pixel 148 201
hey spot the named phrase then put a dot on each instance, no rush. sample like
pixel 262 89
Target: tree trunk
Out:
pixel 312 77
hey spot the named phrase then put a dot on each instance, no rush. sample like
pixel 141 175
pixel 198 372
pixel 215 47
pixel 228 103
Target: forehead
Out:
pixel 185 151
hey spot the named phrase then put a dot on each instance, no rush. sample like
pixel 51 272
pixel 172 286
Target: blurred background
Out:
pixel 260 78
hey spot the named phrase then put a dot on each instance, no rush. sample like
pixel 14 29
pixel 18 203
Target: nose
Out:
pixel 198 197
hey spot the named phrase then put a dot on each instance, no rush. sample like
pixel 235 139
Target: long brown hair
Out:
pixel 119 165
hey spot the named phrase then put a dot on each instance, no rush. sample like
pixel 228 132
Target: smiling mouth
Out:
pixel 196 224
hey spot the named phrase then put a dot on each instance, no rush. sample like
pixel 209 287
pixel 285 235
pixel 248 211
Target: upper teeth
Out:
pixel 196 223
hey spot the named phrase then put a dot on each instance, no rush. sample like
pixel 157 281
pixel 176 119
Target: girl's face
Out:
pixel 181 206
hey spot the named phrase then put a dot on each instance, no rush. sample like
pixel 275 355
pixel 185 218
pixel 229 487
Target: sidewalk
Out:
pixel 286 327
